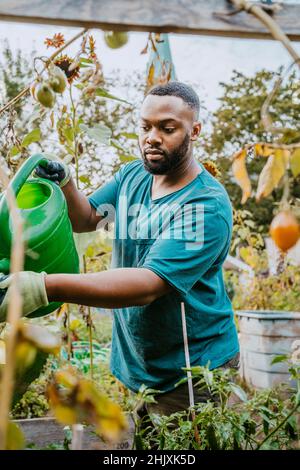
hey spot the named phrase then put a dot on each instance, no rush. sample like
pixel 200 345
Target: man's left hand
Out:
pixel 31 287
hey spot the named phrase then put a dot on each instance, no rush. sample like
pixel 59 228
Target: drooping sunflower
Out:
pixel 212 168
pixel 64 62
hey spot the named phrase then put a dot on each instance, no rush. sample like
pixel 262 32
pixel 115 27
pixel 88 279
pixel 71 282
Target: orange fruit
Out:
pixel 285 230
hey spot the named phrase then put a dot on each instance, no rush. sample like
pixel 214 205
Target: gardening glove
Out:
pixel 55 171
pixel 32 288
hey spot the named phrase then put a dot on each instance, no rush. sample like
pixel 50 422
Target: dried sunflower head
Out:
pixel 212 168
pixel 64 62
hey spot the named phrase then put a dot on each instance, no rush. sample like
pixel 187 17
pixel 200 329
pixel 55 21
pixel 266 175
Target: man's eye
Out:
pixel 169 130
pixel 145 128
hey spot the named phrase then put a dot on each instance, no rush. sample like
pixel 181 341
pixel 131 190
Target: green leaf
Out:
pixel 116 144
pixel 105 94
pixel 83 60
pixel 280 358
pixel 70 150
pixel 130 135
pixel 212 438
pixel 69 134
pixel 127 158
pixel 295 162
pixel 239 392
pixel 98 132
pixel 15 151
pixel 84 179
pixel 33 136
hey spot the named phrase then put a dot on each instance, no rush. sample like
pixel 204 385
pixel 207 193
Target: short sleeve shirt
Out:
pixel 183 237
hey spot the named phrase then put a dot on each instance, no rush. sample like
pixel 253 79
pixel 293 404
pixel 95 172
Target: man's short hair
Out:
pixel 179 89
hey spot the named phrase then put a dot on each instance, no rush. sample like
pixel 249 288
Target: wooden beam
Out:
pixel 200 17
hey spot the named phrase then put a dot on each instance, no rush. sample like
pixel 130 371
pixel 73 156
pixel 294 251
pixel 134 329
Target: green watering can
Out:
pixel 47 231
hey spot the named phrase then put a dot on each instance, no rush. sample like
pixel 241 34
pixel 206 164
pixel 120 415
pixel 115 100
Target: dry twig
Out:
pixel 14 311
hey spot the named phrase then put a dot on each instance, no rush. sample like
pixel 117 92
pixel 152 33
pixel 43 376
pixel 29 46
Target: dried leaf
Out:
pixel 2 352
pixel 271 174
pixel 240 173
pixel 56 41
pixel 263 150
pixel 75 399
pixel 150 77
pixel 145 50
pixel 61 311
pixel 152 42
pixel 52 119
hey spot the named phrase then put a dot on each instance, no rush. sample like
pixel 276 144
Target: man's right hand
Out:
pixel 54 171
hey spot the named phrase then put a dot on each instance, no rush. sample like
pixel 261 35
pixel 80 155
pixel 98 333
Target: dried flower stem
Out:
pixel 14 311
pixel 89 328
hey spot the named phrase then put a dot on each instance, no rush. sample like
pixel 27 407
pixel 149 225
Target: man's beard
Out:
pixel 169 161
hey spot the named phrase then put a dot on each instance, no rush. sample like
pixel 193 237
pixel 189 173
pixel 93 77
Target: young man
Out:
pixel 173 225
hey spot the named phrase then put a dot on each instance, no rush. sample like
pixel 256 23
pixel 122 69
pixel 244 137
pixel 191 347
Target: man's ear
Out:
pixel 196 130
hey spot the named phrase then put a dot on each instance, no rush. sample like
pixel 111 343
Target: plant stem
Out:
pixel 89 329
pixel 69 341
pixel 279 426
pixel 75 137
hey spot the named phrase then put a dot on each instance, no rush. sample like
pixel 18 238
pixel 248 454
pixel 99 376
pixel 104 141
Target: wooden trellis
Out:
pixel 201 17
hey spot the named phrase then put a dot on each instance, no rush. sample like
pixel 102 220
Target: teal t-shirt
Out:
pixel 184 238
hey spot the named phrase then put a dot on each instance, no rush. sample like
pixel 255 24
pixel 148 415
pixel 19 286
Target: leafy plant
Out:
pixel 264 419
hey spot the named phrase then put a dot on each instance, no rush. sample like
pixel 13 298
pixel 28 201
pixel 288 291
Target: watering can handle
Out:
pixel 15 185
pixel 24 172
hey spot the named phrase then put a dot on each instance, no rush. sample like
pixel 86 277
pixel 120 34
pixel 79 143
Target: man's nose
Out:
pixel 154 137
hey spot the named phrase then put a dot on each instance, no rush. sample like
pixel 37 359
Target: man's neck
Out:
pixel 166 184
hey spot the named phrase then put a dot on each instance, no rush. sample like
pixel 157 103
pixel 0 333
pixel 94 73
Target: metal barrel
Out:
pixel 263 335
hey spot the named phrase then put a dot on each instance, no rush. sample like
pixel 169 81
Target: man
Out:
pixel 173 225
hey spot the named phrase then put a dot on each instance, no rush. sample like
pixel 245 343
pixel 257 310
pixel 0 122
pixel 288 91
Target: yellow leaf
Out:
pixel 25 354
pixel 74 324
pixel 295 162
pixel 67 378
pixel 271 174
pixel 110 429
pixel 14 438
pixel 65 414
pixel 240 173
pixel 263 150
pixel 90 251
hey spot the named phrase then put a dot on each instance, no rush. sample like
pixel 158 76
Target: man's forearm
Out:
pixel 79 208
pixel 115 288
